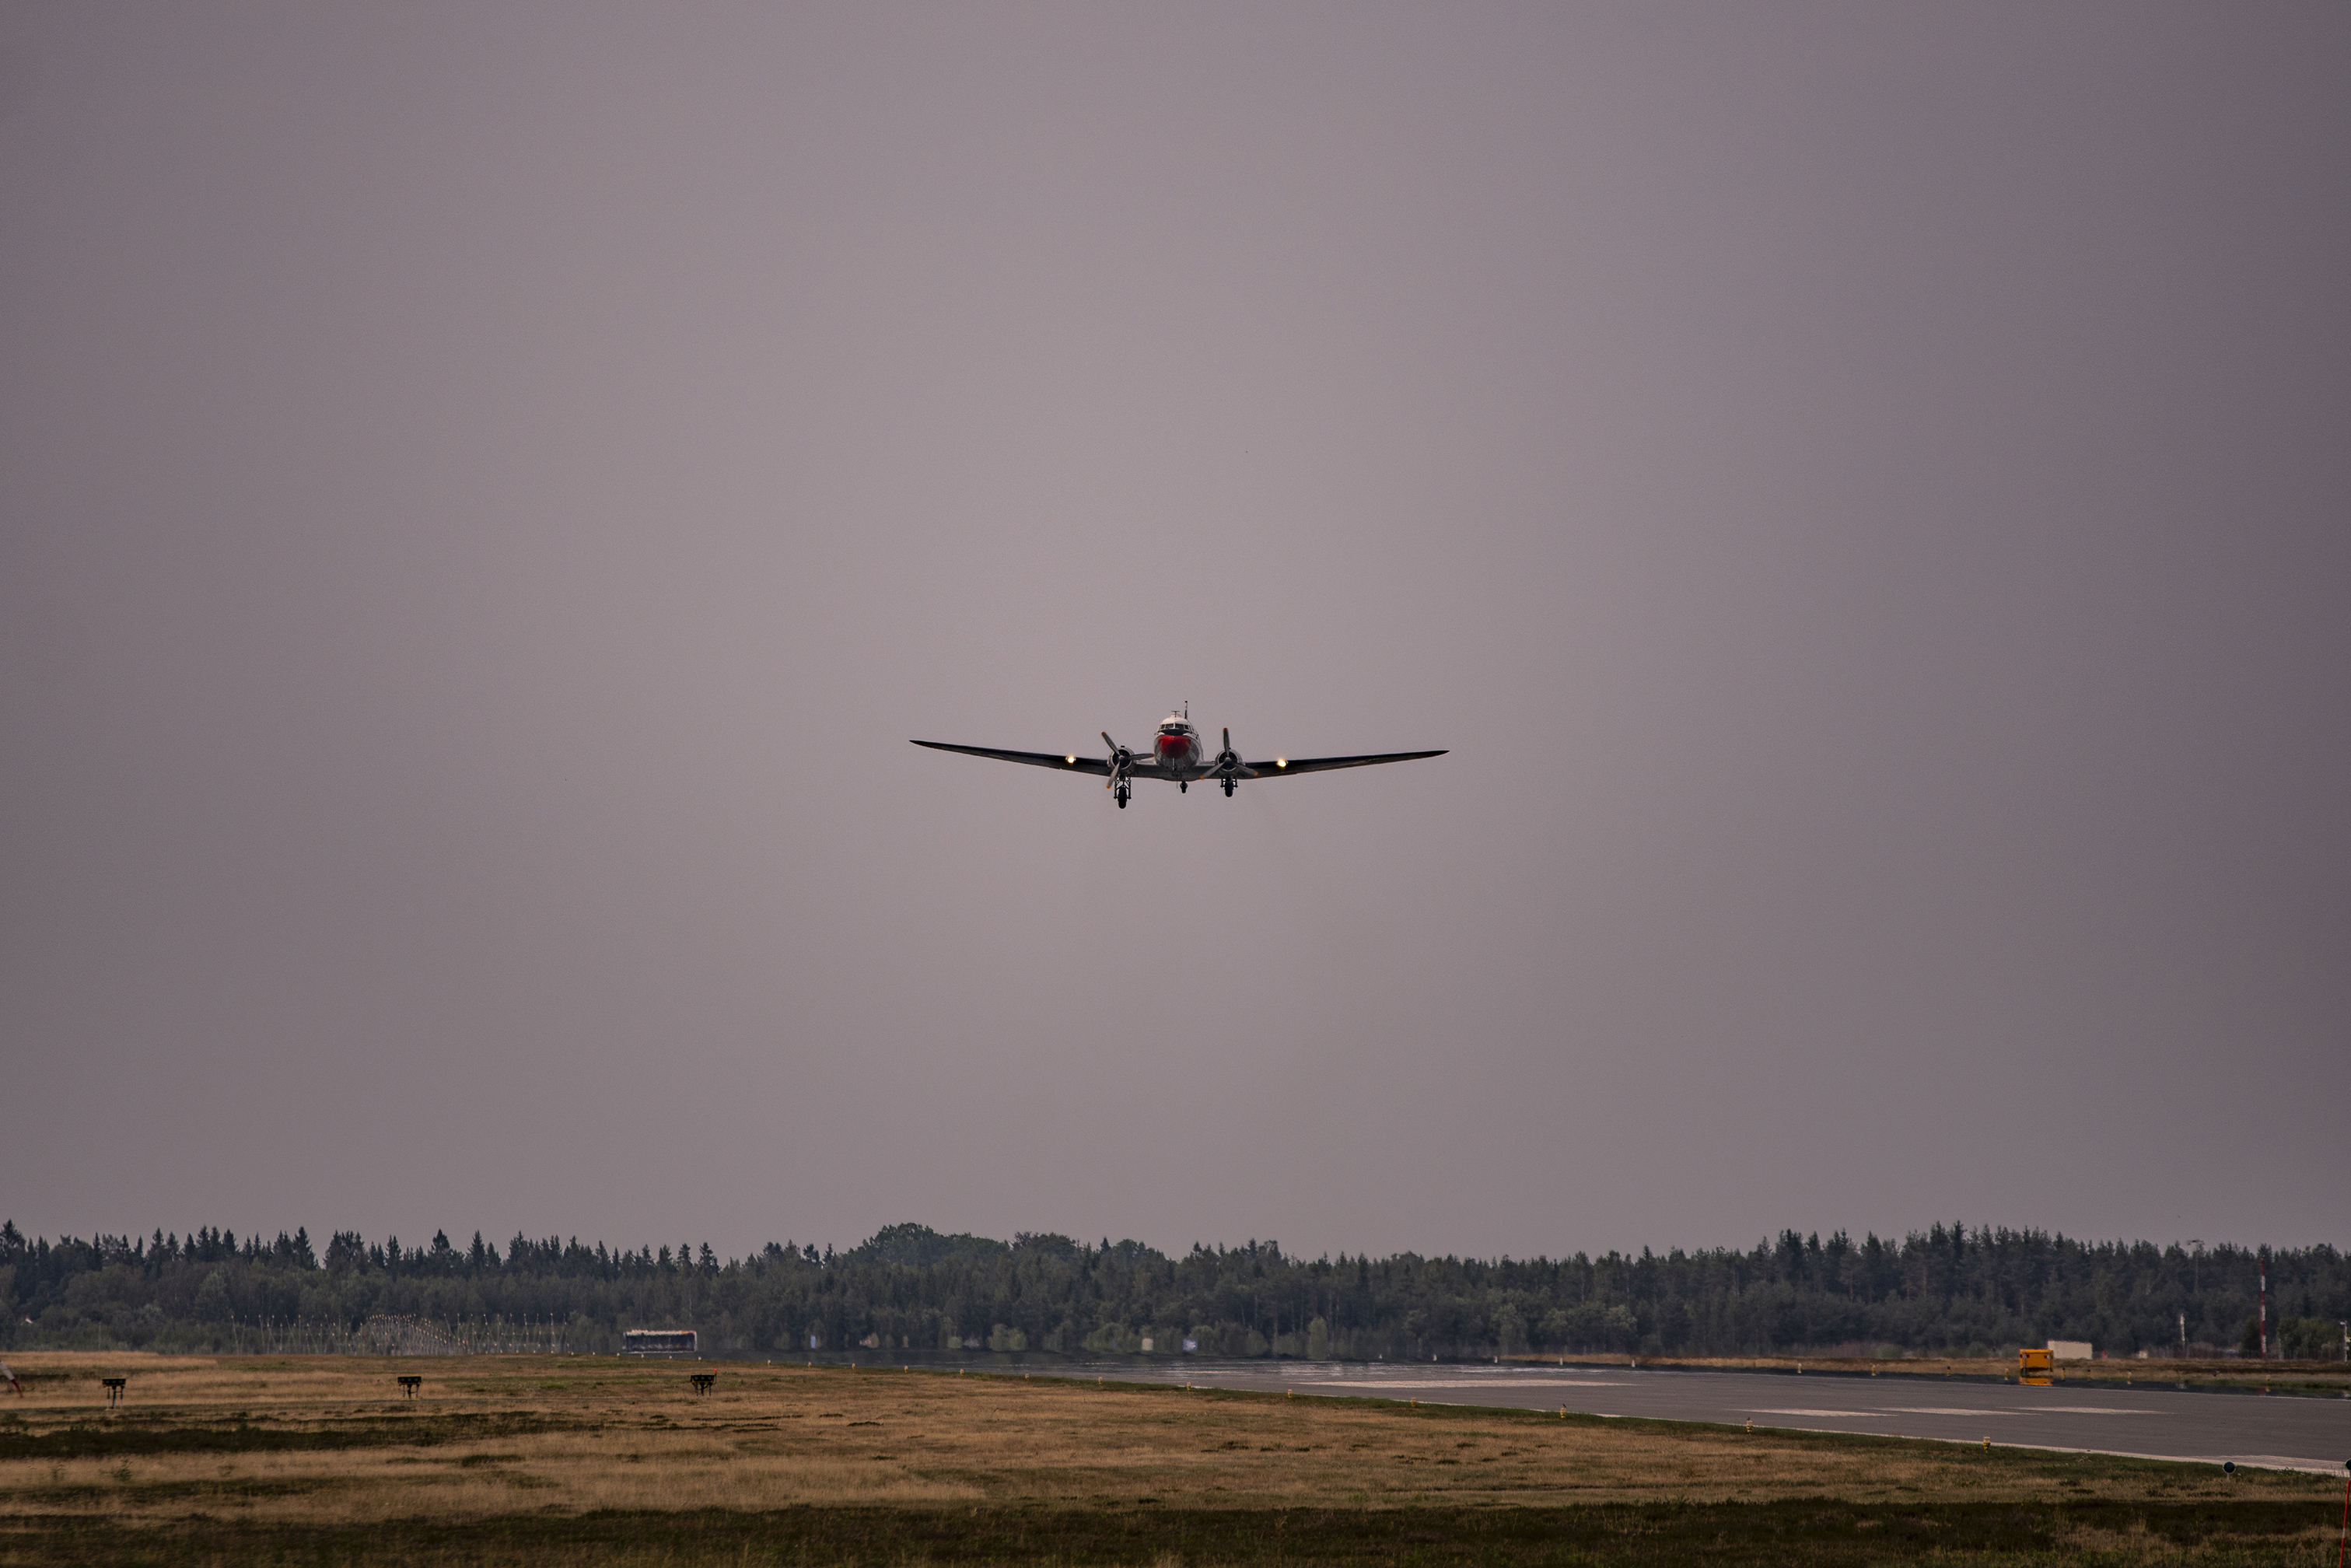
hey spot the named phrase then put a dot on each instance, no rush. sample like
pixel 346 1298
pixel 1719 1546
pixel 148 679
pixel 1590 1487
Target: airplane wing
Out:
pixel 1276 768
pixel 1142 768
pixel 1059 761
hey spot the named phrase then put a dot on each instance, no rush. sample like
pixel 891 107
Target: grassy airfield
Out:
pixel 594 1460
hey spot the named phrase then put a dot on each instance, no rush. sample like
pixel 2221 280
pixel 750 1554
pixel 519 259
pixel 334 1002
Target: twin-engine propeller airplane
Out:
pixel 1175 754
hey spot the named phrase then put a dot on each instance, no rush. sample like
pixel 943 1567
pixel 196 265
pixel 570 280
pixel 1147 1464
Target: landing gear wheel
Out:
pixel 1183 786
pixel 1228 789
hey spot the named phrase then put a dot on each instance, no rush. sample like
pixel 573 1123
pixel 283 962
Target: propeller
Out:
pixel 1121 759
pixel 1229 762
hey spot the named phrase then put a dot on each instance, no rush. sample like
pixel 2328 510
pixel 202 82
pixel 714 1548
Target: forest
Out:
pixel 1947 1290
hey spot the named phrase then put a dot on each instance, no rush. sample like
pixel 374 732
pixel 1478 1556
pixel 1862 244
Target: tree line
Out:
pixel 1947 1290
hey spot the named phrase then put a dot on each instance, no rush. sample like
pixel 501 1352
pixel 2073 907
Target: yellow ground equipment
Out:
pixel 2032 1367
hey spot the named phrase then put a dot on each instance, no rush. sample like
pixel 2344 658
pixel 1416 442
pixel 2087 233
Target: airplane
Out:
pixel 1175 754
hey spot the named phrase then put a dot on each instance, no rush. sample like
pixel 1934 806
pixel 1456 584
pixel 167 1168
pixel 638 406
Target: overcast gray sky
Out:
pixel 488 492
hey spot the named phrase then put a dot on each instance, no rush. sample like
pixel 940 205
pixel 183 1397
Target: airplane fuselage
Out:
pixel 1176 749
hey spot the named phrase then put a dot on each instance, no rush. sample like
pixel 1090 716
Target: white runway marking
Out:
pixel 1464 1382
pixel 2033 1410
pixel 1957 1410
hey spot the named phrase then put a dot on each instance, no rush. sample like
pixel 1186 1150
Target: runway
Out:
pixel 2276 1433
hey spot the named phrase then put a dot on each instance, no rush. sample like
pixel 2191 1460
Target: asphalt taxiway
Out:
pixel 2212 1427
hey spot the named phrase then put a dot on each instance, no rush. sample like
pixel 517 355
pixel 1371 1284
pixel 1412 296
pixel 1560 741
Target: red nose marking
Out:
pixel 1170 744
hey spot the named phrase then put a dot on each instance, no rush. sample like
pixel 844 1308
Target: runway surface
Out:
pixel 2277 1433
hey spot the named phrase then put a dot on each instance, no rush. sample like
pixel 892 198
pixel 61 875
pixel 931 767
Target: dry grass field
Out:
pixel 579 1459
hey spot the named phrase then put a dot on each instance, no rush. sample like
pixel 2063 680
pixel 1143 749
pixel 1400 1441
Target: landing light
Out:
pixel 1071 760
pixel 1281 762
